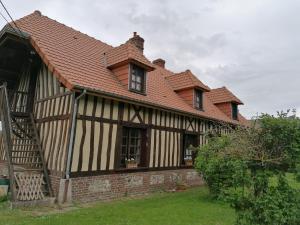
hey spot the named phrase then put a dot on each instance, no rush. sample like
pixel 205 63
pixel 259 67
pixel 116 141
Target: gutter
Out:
pixel 72 134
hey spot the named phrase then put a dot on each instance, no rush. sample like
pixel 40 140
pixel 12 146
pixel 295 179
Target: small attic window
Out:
pixel 199 99
pixel 137 79
pixel 235 111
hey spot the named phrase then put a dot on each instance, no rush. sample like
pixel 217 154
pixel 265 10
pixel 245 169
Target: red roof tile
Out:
pixel 77 60
pixel 221 95
pixel 185 80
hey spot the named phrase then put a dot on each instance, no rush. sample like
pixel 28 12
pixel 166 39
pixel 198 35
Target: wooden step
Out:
pixel 32 163
pixel 27 139
pixel 28 170
pixel 24 151
pixel 35 157
pixel 17 146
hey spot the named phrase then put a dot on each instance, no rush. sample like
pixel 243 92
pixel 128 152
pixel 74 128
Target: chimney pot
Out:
pixel 138 41
pixel 38 12
pixel 159 62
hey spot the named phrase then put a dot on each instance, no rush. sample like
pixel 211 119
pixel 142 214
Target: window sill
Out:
pixel 138 92
pixel 131 169
pixel 200 109
pixel 186 167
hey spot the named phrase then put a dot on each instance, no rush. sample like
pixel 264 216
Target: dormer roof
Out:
pixel 223 95
pixel 125 53
pixel 185 80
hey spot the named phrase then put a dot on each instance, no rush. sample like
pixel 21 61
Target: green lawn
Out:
pixel 185 208
pixel 191 207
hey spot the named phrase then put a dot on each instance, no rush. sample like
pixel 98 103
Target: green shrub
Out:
pixel 238 168
pixel 297 174
pixel 279 205
pixel 221 173
pixel 3 198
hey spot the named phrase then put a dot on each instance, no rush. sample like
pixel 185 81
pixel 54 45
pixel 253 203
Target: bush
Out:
pixel 238 167
pixel 279 205
pixel 221 173
pixel 3 198
pixel 297 173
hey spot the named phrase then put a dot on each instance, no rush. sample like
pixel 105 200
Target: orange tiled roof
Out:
pixel 221 95
pixel 76 59
pixel 184 80
pixel 126 52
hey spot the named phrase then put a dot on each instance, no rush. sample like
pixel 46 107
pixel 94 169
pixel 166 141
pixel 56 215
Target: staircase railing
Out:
pixel 23 153
pixel 47 178
pixel 7 135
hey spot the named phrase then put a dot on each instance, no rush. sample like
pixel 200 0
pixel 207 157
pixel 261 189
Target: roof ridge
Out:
pixel 192 76
pixel 35 13
pixel 38 13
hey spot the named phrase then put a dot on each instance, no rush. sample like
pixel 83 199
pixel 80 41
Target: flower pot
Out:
pixel 131 165
pixel 188 162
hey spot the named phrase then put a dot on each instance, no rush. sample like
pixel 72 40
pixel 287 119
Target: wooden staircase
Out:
pixel 29 179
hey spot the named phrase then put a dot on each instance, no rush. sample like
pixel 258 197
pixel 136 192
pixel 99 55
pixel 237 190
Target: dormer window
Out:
pixel 137 79
pixel 199 99
pixel 235 111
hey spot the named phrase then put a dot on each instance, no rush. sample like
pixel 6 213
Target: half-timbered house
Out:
pixel 83 120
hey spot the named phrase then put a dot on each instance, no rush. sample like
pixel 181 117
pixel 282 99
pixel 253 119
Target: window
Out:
pixel 133 147
pixel 190 140
pixel 234 111
pixel 137 79
pixel 199 99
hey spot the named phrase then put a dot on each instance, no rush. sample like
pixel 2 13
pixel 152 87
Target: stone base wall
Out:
pixel 112 186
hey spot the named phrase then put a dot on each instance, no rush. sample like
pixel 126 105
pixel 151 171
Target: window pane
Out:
pixel 131 145
pixel 234 111
pixel 198 99
pixel 133 85
pixel 137 78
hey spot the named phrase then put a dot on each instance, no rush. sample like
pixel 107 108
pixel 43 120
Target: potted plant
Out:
pixel 131 163
pixel 188 161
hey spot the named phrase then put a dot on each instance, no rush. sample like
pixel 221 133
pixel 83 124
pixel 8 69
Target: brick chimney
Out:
pixel 137 41
pixel 159 62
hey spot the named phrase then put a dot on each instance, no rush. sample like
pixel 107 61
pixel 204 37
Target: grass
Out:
pixel 192 207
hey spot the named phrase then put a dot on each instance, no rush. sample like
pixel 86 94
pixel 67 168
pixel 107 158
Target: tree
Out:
pixel 238 167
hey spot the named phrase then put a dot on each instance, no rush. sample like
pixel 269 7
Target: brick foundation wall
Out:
pixel 55 181
pixel 112 186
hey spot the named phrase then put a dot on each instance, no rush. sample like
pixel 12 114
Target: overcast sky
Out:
pixel 252 47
